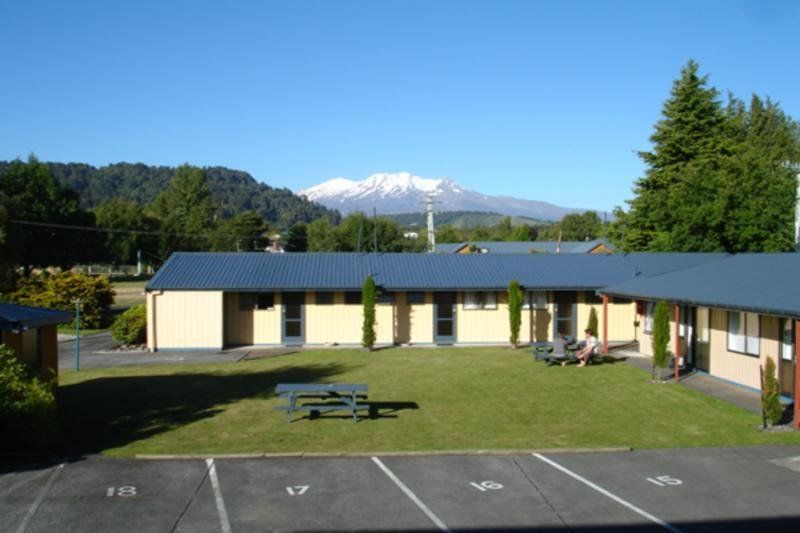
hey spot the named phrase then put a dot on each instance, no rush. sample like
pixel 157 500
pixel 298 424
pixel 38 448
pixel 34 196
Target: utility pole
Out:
pixel 431 230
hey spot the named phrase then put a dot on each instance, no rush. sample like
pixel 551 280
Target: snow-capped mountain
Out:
pixel 403 192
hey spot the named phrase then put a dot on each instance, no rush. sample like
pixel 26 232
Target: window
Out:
pixel 324 298
pixel 415 298
pixel 743 333
pixel 787 339
pixel 648 317
pixel 480 300
pixel 535 300
pixel 249 301
pixel 386 298
pixel 265 300
pixel 352 298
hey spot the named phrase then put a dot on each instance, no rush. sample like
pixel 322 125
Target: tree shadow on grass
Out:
pixel 110 412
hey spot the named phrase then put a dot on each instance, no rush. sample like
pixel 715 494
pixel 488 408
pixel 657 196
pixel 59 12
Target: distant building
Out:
pixel 597 246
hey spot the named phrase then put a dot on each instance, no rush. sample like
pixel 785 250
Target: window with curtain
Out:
pixel 480 300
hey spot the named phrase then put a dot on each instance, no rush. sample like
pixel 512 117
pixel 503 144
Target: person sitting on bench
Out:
pixel 588 350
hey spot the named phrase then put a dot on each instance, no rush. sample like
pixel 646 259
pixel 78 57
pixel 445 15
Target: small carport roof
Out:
pixel 347 271
pixel 13 316
pixel 760 283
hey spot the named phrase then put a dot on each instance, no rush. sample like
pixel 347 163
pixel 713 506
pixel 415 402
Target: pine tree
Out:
pixel 681 169
pixel 186 212
pixel 592 323
pixel 770 394
pixel 368 298
pixel 717 179
pixel 660 336
pixel 515 300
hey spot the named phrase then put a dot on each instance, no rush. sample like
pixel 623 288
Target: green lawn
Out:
pixel 128 293
pixel 447 399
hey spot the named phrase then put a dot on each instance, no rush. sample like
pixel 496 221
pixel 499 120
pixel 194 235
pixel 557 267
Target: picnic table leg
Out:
pixel 292 400
pixel 353 404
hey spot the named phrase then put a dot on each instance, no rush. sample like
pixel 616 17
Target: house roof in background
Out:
pixel 13 316
pixel 760 283
pixel 525 247
pixel 347 271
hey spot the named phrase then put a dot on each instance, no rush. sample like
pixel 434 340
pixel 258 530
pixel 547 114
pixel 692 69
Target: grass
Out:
pixel 437 399
pixel 128 293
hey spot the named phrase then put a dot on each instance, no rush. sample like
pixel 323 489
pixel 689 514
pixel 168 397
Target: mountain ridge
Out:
pixel 404 192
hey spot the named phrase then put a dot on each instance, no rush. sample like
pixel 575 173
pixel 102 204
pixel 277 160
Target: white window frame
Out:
pixel 479 300
pixel 747 337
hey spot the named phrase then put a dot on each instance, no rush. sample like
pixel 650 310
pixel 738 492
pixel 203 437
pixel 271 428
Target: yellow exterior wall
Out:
pixel 482 325
pixel 620 319
pixel 332 324
pixel 257 326
pixel 733 366
pixel 413 322
pixel 739 367
pixel 185 319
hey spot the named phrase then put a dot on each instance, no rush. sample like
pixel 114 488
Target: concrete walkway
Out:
pixel 738 395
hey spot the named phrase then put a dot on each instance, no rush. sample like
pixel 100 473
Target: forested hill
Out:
pixel 234 191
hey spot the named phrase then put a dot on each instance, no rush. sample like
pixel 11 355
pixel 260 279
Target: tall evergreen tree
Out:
pixel 130 230
pixel 682 168
pixel 717 179
pixel 186 212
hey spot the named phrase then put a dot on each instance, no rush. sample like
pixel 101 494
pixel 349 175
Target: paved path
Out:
pixel 740 396
pixel 710 489
pixel 95 352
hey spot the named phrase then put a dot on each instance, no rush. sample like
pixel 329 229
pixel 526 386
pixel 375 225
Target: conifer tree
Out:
pixel 515 300
pixel 660 336
pixel 368 298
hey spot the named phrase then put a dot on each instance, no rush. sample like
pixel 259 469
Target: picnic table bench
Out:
pixel 330 396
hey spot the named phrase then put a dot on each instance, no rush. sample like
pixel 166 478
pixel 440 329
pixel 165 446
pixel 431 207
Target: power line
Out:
pixel 130 231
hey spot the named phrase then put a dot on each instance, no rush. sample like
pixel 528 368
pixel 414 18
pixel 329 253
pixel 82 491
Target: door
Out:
pixel 566 310
pixel 786 367
pixel 686 330
pixel 702 350
pixel 444 312
pixel 293 314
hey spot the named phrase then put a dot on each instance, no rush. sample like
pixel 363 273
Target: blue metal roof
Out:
pixel 13 316
pixel 525 247
pixel 347 271
pixel 761 283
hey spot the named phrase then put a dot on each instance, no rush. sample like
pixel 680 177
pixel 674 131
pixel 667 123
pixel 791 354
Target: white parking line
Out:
pixel 35 507
pixel 608 494
pixel 223 514
pixel 424 508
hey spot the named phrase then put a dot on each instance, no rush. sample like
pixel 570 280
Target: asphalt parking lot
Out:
pixel 710 489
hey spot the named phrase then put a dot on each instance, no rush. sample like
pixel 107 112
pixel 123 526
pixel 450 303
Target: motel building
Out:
pixel 729 312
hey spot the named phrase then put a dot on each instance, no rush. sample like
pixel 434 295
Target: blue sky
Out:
pixel 540 100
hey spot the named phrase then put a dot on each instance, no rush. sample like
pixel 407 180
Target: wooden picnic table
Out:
pixel 329 396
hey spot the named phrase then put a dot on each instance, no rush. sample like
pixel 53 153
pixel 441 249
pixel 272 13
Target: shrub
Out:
pixel 770 394
pixel 515 300
pixel 131 326
pixel 27 405
pixel 660 336
pixel 592 323
pixel 60 290
pixel 369 295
